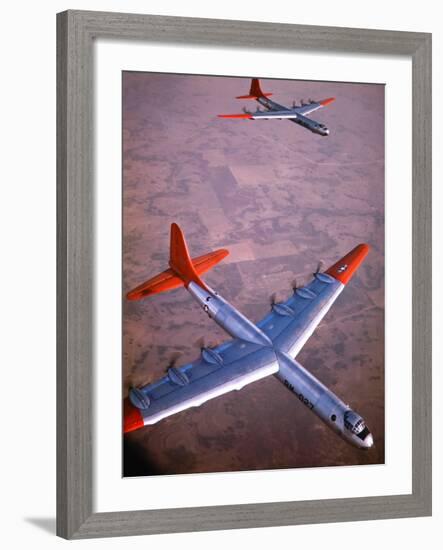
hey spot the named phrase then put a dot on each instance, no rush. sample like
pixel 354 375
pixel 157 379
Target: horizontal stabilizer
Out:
pixel 160 283
pixel 253 96
pixel 183 268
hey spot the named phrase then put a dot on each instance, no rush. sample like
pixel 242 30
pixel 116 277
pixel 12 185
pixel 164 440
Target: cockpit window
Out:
pixel 354 423
pixel 358 427
pixel 362 435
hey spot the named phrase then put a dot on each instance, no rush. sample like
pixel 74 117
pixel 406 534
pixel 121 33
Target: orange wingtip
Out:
pixel 327 101
pixel 243 115
pixel 132 417
pixel 348 265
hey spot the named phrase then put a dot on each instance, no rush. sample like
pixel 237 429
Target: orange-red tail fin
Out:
pixel 180 260
pixel 255 91
pixel 182 269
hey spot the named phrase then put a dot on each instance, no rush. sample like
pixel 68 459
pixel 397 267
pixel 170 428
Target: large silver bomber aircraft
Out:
pixel 297 113
pixel 255 350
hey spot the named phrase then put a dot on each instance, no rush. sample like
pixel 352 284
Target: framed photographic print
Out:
pixel 243 274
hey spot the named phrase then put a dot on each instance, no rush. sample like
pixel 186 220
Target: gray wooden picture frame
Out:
pixel 76 32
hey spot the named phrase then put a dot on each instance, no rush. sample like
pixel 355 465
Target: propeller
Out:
pixel 173 359
pixel 294 104
pixel 203 346
pixel 302 102
pixel 319 267
pixel 176 375
pixel 273 299
pixel 294 284
pixel 246 111
pixel 311 100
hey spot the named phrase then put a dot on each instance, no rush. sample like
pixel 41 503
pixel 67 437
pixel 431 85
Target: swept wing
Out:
pixel 230 366
pixel 291 323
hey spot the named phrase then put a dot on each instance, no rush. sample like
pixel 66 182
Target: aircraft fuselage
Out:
pixel 309 124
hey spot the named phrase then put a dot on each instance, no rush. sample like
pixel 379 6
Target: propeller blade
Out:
pixel 273 298
pixel 200 343
pixel 173 359
pixel 294 284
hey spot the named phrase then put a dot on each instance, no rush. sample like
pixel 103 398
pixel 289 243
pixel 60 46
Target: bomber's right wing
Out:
pixel 219 370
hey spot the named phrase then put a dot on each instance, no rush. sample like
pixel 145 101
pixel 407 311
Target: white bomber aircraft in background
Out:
pixel 255 350
pixel 297 113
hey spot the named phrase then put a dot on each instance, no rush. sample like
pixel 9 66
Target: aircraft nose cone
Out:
pixel 368 441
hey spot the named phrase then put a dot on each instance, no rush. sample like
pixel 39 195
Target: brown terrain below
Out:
pixel 280 199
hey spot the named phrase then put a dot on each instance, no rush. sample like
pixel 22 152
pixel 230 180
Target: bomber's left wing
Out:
pixel 219 370
pixel 291 323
